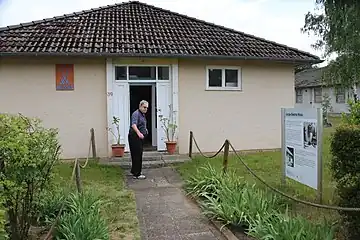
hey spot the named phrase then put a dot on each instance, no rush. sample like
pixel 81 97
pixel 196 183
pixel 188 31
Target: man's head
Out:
pixel 143 106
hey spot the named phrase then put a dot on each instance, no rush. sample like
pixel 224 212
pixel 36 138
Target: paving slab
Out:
pixel 163 210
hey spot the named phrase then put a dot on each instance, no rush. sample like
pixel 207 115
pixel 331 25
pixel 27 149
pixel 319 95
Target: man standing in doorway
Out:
pixel 137 133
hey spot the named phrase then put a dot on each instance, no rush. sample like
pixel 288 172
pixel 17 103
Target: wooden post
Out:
pixel 77 176
pixel 226 156
pixel 93 146
pixel 190 144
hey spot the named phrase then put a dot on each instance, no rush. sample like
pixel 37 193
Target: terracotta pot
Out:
pixel 170 147
pixel 118 150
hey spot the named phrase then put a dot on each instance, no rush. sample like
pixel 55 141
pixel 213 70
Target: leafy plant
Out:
pixel 278 226
pixel 345 168
pixel 50 204
pixel 116 122
pixel 83 220
pixel 169 125
pixel 231 200
pixel 28 153
pixel 353 117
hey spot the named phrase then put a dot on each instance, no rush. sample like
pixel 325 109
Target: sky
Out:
pixel 276 20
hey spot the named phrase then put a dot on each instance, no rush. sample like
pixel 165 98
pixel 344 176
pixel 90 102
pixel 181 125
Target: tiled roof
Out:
pixel 138 29
pixel 309 78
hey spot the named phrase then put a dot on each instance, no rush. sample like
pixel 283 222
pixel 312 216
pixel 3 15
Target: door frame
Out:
pixel 111 97
pixel 153 109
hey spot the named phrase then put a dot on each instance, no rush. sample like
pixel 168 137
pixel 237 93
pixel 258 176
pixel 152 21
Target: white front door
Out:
pixel 163 110
pixel 121 109
pixel 153 116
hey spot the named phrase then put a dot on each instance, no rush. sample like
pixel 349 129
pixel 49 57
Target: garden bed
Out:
pixel 268 166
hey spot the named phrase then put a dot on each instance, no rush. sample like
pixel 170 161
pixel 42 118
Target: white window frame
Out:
pixel 337 95
pixel 321 95
pixel 299 93
pixel 223 87
pixel 142 80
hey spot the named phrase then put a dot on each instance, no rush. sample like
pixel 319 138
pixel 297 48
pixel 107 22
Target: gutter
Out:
pixel 184 56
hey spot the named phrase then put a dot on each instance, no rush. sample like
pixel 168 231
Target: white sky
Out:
pixel 276 20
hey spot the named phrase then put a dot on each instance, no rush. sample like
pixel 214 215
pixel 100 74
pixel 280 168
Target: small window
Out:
pixel 299 96
pixel 340 95
pixel 223 78
pixel 120 73
pixel 142 73
pixel 317 95
pixel 163 73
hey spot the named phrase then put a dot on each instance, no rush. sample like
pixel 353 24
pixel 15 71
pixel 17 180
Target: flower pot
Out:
pixel 118 150
pixel 170 147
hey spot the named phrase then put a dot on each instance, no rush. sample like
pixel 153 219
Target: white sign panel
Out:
pixel 301 144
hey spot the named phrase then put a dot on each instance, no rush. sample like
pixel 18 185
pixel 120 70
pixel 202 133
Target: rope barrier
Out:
pixel 329 207
pixel 202 154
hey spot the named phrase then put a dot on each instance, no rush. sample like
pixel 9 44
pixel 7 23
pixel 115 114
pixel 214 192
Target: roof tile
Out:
pixel 138 29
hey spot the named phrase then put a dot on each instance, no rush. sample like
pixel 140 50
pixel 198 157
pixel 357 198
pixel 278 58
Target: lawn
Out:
pixel 267 165
pixel 108 182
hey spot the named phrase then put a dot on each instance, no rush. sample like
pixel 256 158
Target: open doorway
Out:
pixel 144 92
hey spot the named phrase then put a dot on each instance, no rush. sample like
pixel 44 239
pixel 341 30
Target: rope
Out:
pixel 345 209
pixel 202 154
pixel 48 235
pixel 288 196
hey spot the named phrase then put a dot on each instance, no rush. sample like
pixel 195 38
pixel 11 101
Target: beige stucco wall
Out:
pixel 27 85
pixel 250 118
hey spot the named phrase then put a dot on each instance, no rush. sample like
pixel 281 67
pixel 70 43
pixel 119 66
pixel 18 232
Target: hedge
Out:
pixel 345 167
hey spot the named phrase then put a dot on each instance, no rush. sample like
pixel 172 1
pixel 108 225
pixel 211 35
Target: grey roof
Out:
pixel 138 29
pixel 309 78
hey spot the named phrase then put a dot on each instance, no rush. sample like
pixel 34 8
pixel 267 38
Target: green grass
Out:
pixel 267 165
pixel 108 182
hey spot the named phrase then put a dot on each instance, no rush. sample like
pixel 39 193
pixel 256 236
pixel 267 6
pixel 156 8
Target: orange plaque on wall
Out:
pixel 64 77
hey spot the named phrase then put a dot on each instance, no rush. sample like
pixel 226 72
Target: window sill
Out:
pixel 238 89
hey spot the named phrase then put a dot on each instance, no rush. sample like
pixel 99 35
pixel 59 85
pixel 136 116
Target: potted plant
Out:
pixel 170 128
pixel 117 148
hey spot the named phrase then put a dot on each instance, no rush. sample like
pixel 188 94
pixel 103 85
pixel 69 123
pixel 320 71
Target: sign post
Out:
pixel 301 137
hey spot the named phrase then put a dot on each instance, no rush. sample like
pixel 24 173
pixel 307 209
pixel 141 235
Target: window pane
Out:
pixel 163 73
pixel 215 77
pixel 120 73
pixel 231 78
pixel 142 73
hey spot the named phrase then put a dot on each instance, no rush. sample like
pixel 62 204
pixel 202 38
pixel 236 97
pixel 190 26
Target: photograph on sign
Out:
pixel 300 145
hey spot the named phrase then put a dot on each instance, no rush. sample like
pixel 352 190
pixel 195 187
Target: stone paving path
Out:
pixel 164 212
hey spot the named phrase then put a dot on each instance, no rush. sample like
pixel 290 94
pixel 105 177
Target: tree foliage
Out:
pixel 336 23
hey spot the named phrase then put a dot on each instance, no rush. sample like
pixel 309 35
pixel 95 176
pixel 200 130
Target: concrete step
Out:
pixel 150 160
pixel 150 156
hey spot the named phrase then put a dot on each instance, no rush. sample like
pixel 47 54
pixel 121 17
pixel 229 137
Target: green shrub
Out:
pixel 83 220
pixel 353 117
pixel 28 153
pixel 345 167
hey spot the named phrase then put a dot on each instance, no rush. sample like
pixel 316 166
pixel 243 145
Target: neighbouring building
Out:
pixel 310 91
pixel 77 71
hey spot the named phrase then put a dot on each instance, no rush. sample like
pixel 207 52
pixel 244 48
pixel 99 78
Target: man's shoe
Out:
pixel 139 177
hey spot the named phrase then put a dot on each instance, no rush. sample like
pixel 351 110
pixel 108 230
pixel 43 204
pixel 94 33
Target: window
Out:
pixel 317 95
pixel 219 78
pixel 299 96
pixel 340 95
pixel 142 73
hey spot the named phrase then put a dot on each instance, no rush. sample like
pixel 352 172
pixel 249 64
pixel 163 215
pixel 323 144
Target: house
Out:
pixel 310 91
pixel 79 70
